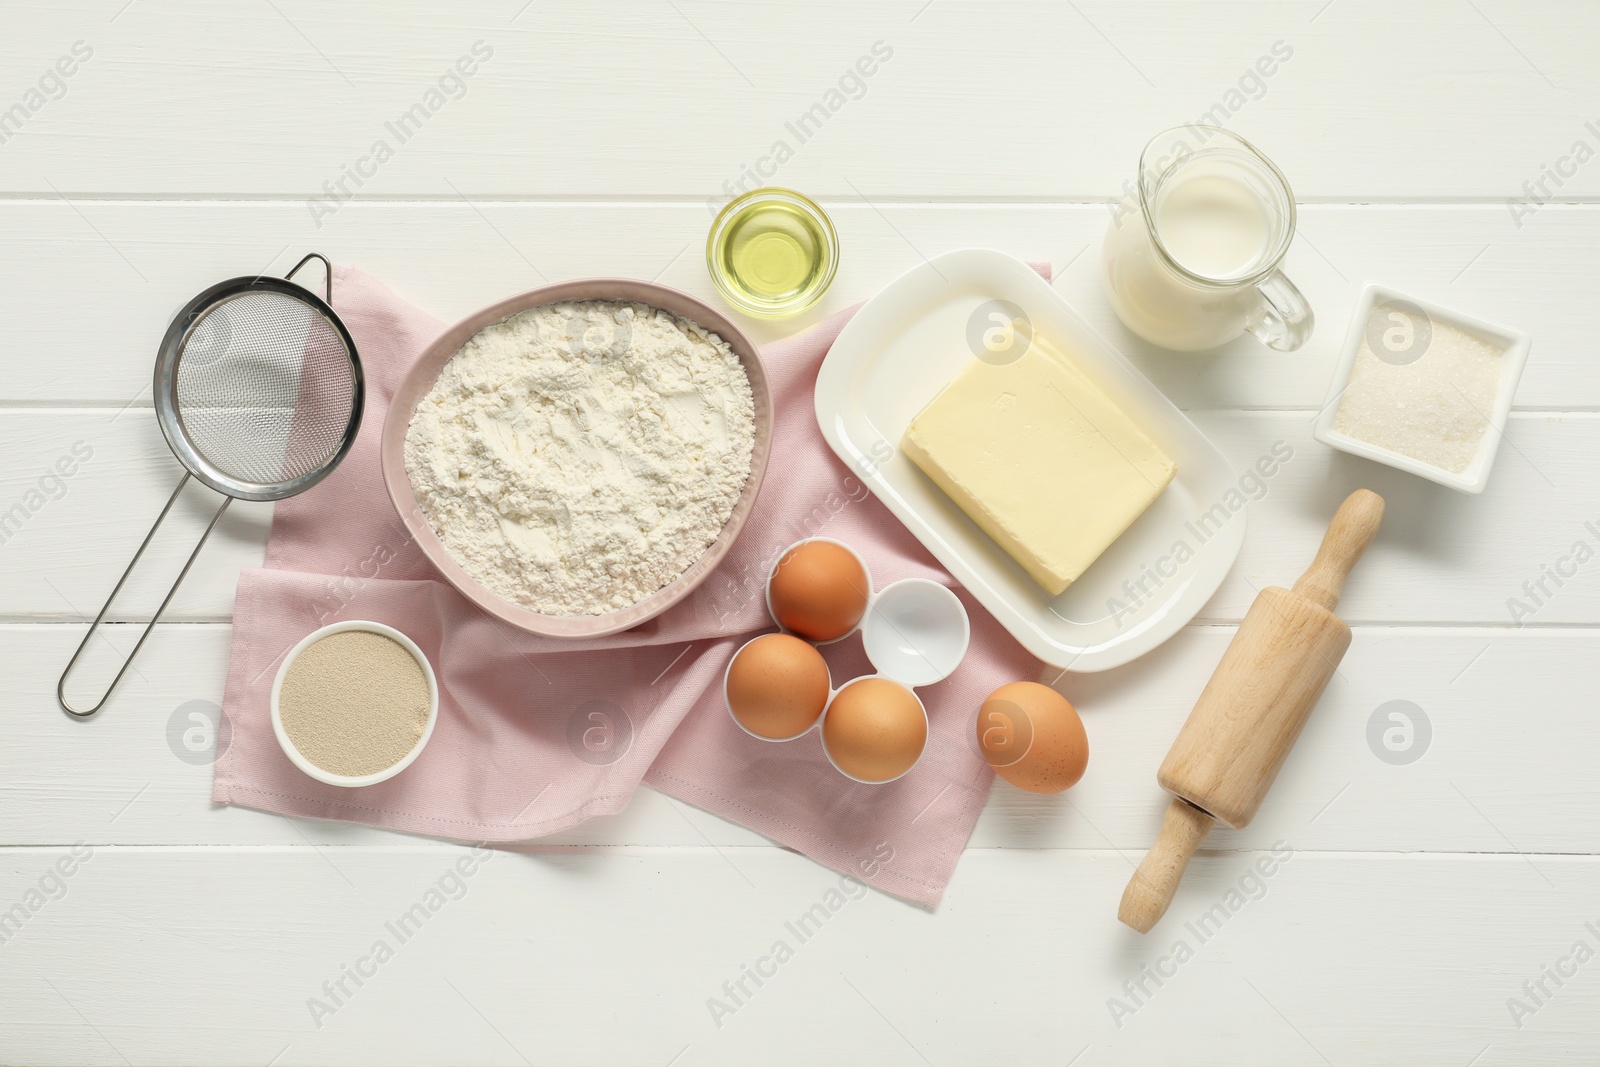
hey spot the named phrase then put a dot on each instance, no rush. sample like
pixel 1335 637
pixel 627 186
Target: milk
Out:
pixel 1214 222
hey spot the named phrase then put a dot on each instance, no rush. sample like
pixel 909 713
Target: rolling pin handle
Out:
pixel 1155 883
pixel 1354 526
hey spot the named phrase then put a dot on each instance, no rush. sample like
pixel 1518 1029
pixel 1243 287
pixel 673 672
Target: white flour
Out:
pixel 577 457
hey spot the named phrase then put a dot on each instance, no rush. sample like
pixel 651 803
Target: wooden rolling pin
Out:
pixel 1248 717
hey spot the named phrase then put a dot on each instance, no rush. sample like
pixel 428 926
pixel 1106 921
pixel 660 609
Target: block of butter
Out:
pixel 1042 460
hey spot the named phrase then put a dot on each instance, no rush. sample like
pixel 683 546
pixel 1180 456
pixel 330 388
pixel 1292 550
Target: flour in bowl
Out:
pixel 577 457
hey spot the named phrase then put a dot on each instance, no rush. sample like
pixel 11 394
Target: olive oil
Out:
pixel 772 253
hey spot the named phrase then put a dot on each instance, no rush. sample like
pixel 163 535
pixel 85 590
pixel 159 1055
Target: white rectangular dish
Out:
pixel 903 347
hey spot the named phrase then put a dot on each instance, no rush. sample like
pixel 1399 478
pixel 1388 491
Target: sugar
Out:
pixel 1434 407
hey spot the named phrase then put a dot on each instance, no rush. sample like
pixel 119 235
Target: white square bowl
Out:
pixel 1514 346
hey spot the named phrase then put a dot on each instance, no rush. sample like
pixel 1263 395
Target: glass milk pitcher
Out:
pixel 1191 256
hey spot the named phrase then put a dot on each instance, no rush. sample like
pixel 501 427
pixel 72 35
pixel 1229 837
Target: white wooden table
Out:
pixel 1423 902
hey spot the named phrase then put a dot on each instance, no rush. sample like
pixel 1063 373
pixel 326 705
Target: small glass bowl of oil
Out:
pixel 772 253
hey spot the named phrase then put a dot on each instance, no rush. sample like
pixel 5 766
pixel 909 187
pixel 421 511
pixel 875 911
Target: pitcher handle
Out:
pixel 1285 320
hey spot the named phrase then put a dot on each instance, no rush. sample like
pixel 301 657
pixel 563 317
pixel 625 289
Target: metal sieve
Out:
pixel 258 391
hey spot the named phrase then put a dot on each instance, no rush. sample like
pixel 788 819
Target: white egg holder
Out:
pixel 915 632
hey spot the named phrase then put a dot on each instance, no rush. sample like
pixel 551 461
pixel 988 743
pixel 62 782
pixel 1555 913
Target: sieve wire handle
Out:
pixel 61 686
pixel 326 266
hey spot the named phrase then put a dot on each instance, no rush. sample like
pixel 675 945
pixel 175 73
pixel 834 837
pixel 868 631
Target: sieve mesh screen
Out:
pixel 264 388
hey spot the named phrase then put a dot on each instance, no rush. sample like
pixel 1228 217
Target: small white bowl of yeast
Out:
pixel 354 703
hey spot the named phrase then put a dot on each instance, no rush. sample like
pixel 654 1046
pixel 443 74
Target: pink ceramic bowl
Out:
pixel 419 379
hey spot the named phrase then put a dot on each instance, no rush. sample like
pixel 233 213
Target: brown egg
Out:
pixel 819 590
pixel 1033 738
pixel 777 686
pixel 875 729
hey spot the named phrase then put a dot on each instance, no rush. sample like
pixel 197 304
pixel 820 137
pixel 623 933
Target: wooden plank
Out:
pixel 621 955
pixel 122 475
pixel 131 776
pixel 977 100
pixel 141 261
pixel 1442 558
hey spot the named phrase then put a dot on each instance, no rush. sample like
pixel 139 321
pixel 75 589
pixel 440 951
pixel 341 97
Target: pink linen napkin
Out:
pixel 538 734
